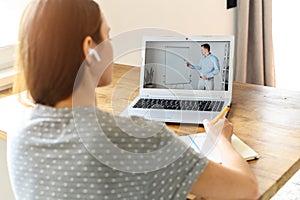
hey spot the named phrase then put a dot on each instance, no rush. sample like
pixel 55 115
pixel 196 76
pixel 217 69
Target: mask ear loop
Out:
pixel 93 52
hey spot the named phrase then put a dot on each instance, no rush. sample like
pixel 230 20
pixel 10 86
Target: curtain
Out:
pixel 254 44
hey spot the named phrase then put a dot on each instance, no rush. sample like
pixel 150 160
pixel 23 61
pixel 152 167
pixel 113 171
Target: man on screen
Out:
pixel 208 66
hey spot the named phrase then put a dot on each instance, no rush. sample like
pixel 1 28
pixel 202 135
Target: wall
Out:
pixel 189 17
pixel 5 189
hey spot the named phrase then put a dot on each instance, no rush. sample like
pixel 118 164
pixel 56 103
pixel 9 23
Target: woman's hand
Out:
pixel 223 125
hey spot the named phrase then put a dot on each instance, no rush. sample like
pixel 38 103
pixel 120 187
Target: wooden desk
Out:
pixel 267 119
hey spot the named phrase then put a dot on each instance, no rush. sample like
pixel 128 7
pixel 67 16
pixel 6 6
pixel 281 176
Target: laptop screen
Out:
pixel 187 64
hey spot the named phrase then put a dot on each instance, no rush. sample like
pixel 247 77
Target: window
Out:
pixel 10 14
pixel 286 44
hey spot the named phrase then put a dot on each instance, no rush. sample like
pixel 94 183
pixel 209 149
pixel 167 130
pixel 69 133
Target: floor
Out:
pixel 290 191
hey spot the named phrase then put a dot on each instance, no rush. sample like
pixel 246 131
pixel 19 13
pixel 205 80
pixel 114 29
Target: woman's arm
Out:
pixel 232 179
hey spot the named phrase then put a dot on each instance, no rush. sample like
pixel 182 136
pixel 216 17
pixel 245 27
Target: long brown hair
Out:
pixel 50 51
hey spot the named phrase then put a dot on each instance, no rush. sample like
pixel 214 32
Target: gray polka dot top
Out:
pixel 85 153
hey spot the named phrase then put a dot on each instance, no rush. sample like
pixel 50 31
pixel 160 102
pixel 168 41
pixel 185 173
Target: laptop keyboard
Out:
pixel 179 104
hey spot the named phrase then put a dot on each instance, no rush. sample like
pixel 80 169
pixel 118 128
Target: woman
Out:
pixel 66 148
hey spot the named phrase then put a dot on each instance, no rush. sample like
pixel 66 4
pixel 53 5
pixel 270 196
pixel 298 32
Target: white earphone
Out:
pixel 93 52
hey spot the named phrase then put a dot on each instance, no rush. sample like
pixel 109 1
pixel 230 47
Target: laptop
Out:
pixel 172 83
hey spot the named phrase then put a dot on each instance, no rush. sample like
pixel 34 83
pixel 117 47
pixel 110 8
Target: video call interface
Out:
pixel 185 65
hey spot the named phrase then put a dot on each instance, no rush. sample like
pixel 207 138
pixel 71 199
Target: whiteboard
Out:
pixel 176 71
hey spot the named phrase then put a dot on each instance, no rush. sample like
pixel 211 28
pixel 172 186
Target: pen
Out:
pixel 222 113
